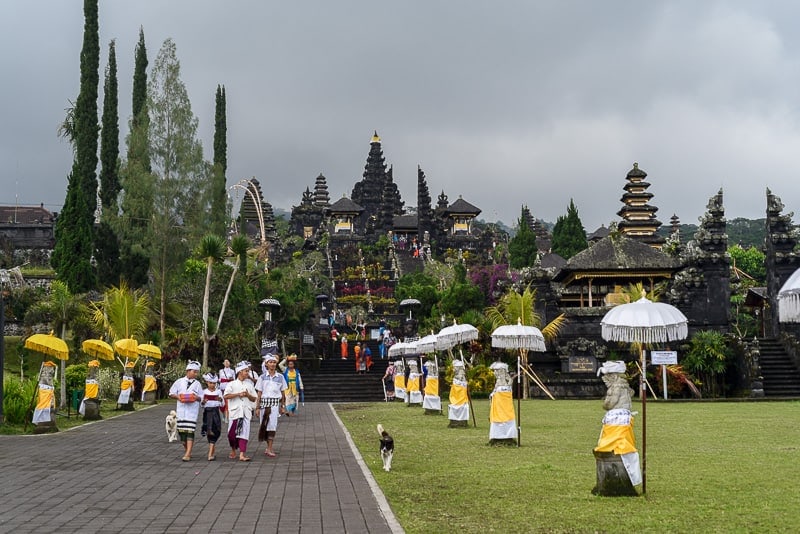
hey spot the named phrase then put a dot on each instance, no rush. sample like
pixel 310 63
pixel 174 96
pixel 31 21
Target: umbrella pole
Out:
pixel 519 396
pixel 643 393
pixel 33 399
pixel 469 397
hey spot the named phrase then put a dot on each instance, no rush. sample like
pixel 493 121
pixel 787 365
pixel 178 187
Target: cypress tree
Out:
pixel 139 115
pixel 424 210
pixel 106 243
pixel 569 236
pixel 137 181
pixel 522 248
pixel 219 187
pixel 73 251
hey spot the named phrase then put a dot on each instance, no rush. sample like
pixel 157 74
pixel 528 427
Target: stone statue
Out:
pixel 503 421
pixel 431 400
pixel 44 414
pixel 618 470
pixel 458 409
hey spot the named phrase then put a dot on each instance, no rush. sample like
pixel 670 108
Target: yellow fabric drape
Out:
pixel 413 384
pixel 46 399
pixel 432 386
pixel 91 391
pixel 127 383
pixel 618 439
pixel 502 409
pixel 458 395
pixel 292 374
pixel 399 380
pixel 149 383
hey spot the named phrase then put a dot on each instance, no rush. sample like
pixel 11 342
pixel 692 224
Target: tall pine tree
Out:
pixel 73 251
pixel 182 174
pixel 137 181
pixel 106 248
pixel 569 236
pixel 219 190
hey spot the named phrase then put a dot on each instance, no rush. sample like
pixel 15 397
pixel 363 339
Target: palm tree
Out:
pixel 513 307
pixel 212 249
pixel 123 313
pixel 516 307
pixel 239 246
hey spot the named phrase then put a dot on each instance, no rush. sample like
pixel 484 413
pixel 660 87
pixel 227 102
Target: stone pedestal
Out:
pixel 46 427
pixel 612 478
pixel 458 424
pixel 127 407
pixel 149 397
pixel 91 410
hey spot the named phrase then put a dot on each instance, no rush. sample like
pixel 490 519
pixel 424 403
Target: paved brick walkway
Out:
pixel 121 475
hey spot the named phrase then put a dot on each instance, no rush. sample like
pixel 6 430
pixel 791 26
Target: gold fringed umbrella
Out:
pixel 149 351
pixel 97 348
pixel 48 344
pixel 127 347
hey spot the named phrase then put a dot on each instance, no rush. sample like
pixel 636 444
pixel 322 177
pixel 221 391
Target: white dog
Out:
pixel 171 425
pixel 387 448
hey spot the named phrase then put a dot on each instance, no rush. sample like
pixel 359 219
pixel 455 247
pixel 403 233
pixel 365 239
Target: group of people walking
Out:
pixel 234 396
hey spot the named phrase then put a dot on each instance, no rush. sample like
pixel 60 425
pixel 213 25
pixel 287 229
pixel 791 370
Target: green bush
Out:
pixel 17 397
pixel 707 359
pixel 76 376
pixel 109 379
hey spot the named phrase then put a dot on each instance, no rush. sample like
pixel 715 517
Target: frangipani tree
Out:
pixel 212 250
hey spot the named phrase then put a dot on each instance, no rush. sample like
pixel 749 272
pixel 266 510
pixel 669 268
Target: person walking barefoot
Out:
pixel 240 394
pixel 188 392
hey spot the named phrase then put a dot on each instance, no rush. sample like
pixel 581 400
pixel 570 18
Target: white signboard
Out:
pixel 664 357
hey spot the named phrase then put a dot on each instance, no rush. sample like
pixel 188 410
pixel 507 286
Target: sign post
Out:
pixel 664 358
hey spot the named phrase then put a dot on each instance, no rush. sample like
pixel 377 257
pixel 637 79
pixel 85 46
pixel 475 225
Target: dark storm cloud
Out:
pixel 503 103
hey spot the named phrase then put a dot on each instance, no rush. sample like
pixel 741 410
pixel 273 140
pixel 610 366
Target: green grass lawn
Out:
pixel 711 467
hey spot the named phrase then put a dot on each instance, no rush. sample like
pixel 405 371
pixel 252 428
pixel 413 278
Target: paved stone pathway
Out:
pixel 121 475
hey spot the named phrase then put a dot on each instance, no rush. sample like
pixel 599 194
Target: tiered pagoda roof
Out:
pixel 638 216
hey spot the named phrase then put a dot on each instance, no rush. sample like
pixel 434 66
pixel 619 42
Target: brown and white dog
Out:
pixel 387 448
pixel 171 426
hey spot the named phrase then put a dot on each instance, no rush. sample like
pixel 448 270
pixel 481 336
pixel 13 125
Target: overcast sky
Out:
pixel 503 103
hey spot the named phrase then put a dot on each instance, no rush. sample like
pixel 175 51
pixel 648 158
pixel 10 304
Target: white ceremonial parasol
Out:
pixel 402 349
pixel 518 336
pixel 521 338
pixel 789 300
pixel 644 322
pixel 427 344
pixel 455 334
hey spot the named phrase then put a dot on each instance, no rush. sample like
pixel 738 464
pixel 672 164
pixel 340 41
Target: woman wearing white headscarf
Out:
pixel 240 395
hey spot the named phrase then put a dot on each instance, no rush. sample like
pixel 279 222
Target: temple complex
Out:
pixel 375 208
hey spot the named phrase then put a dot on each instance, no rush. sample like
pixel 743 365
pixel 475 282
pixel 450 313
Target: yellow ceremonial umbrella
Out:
pixel 97 348
pixel 127 347
pixel 149 351
pixel 48 344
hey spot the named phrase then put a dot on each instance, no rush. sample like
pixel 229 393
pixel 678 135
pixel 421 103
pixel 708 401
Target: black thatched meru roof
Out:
pixel 344 205
pixel 617 253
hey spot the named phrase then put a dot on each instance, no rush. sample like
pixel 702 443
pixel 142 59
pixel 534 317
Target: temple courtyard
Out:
pixel 710 467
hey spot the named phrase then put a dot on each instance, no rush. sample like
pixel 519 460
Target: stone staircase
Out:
pixel 780 374
pixel 337 381
pixel 409 264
